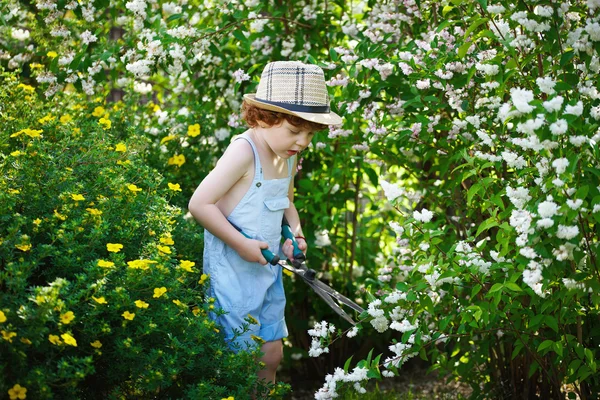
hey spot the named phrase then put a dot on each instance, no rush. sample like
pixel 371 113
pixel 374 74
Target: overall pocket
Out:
pixel 272 216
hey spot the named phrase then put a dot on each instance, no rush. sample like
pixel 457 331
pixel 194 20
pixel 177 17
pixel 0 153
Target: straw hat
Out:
pixel 294 88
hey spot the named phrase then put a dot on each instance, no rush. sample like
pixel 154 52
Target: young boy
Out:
pixel 252 187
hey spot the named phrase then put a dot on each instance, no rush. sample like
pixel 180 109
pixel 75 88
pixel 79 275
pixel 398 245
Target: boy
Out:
pixel 252 187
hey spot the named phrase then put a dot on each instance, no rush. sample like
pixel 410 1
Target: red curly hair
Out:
pixel 252 114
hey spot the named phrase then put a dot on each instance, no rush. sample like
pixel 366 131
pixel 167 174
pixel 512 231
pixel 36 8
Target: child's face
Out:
pixel 286 140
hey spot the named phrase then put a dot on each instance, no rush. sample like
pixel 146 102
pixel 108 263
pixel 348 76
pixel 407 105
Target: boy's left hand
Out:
pixel 288 248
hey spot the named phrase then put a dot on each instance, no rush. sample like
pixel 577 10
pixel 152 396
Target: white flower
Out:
pixel 241 76
pixel 352 332
pixel 87 37
pixel 322 238
pixel 424 216
pixel 559 127
pixel 567 232
pixel 391 191
pixel 574 204
pixel 553 105
pixel 572 284
pixel 547 209
pixel 222 134
pixel 496 9
pixel 380 324
pixel 560 165
pixel 519 196
pixel 513 160
pixel 20 34
pixel 545 223
pixel 576 110
pixel 141 87
pixel 521 99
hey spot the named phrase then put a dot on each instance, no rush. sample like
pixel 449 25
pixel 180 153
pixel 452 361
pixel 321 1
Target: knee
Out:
pixel 273 356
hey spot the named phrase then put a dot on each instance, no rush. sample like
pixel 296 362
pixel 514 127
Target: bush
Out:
pixel 102 294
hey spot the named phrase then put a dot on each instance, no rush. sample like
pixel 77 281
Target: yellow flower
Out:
pixel 105 264
pixel 17 392
pixel 37 221
pixel 52 54
pixel 179 303
pixel 14 191
pixel 27 88
pixel 128 315
pixel 25 341
pixel 18 153
pixel 187 265
pixel 177 159
pixel 114 247
pixel 46 118
pixel 228 398
pixel 67 317
pixel 60 216
pixel 175 187
pixel 141 304
pixel 194 130
pixel 68 339
pixel 140 264
pixel 96 344
pixel 159 292
pixel 2 317
pixel 99 300
pixel 203 278
pixel 23 247
pixel 167 138
pixel 105 122
pixel 257 339
pixel 54 339
pixel 76 131
pixel 252 319
pixel 77 197
pixel 98 111
pixel 126 162
pixel 94 211
pixel 65 119
pixel 121 147
pixel 133 188
pixel 29 132
pixel 164 249
pixel 167 240
pixel 8 335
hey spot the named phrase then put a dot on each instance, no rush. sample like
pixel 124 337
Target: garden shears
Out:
pixel 298 267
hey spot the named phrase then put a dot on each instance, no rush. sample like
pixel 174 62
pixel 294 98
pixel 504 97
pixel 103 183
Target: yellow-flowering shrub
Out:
pixel 83 257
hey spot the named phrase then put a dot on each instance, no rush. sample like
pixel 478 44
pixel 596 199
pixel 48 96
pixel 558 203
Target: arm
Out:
pixel 291 214
pixel 232 166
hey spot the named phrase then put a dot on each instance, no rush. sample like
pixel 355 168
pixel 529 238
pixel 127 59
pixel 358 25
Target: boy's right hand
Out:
pixel 250 250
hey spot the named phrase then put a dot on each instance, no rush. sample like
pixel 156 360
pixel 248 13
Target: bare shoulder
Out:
pixel 239 153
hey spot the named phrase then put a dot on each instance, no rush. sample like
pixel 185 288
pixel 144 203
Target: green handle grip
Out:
pixel 286 231
pixel 271 258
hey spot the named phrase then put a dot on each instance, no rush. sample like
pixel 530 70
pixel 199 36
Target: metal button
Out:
pixel 258 184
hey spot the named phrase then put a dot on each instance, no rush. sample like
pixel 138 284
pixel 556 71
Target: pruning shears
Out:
pixel 299 268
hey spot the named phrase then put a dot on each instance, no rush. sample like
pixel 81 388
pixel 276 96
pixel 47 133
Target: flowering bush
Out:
pixel 477 121
pixel 98 298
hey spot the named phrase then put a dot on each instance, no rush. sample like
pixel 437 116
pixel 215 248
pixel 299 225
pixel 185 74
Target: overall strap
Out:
pixel 291 164
pixel 257 168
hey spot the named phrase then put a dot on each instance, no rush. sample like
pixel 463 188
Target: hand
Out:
pixel 288 248
pixel 250 250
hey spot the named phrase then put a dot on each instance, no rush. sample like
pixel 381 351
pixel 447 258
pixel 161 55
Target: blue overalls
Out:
pixel 241 287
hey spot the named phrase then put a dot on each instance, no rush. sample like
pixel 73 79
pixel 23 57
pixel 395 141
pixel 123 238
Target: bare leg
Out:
pixel 273 354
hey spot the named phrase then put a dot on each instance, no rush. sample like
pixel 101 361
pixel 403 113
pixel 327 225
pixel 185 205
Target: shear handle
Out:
pixel 271 258
pixel 286 231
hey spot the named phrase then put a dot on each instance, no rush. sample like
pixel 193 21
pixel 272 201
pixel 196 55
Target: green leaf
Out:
pixel 566 57
pixel 472 192
pixel 174 17
pixel 513 286
pixel 487 224
pixel 558 348
pixel 552 323
pixel 476 289
pixel 474 26
pixel 446 10
pixel 401 286
pixel 546 344
pixel 333 54
pixel 496 287
pixel 347 364
pixel 462 50
pixel 534 367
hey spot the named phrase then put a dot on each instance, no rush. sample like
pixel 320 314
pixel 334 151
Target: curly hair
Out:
pixel 252 114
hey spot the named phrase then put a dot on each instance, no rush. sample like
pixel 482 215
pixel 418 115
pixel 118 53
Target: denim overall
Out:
pixel 241 287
